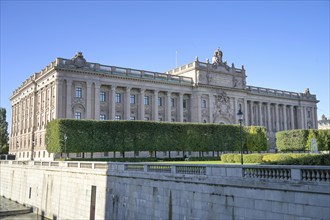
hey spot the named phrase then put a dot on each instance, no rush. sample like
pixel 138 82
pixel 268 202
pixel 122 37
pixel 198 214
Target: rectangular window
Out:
pixel 184 103
pixel 203 103
pixel 102 117
pixel 160 101
pixel 106 154
pixel 132 99
pixel 160 119
pixel 172 102
pixel 146 100
pixel 102 96
pixel 77 115
pixel 117 117
pixel 78 92
pixel 132 118
pixel 118 97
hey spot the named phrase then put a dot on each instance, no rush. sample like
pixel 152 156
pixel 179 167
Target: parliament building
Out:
pixel 200 92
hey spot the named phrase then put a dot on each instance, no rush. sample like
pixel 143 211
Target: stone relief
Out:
pixel 209 77
pixel 222 106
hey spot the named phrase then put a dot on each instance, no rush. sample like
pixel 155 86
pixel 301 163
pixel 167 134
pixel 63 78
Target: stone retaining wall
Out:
pixel 166 191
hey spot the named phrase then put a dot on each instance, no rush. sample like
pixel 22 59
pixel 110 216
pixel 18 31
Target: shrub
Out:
pixel 121 136
pixel 322 137
pixel 252 158
pixel 228 158
pixel 256 139
pixel 292 140
pixel 305 159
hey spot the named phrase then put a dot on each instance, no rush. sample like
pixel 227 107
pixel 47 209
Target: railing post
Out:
pixel 296 174
pixel 173 169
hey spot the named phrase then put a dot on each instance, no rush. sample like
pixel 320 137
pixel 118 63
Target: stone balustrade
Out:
pixel 127 72
pixel 201 65
pixel 279 93
pixel 267 172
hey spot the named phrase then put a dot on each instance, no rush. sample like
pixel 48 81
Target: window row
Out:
pixel 118 98
pixel 118 117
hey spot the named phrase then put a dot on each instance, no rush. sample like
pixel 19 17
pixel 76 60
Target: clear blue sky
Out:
pixel 283 45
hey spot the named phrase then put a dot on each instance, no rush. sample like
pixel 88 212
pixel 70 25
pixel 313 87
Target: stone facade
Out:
pixel 196 92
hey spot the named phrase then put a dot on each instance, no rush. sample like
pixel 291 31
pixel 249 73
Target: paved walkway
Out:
pixel 11 208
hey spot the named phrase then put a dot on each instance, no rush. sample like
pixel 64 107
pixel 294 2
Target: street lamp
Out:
pixel 240 119
pixel 65 138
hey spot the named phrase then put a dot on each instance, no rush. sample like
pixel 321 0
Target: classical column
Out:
pixel 246 118
pixel 180 104
pixel 68 98
pixel 305 117
pixel 235 101
pixel 112 103
pixel 260 114
pixel 315 118
pixel 168 111
pixel 292 116
pixel 97 101
pixel 155 106
pixel 127 105
pixel 88 100
pixel 314 121
pixel 277 117
pixel 285 120
pixel 57 101
pixel 210 110
pixel 141 104
pixel 251 113
pixel 44 119
pixel 50 97
pixel 269 124
pixel 302 117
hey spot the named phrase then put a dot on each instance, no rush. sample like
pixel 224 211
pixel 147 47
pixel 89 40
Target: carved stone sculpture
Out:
pixel 79 60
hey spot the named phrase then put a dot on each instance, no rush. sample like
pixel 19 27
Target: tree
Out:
pixel 3 132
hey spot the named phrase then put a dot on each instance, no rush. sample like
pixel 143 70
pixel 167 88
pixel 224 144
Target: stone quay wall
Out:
pixel 96 190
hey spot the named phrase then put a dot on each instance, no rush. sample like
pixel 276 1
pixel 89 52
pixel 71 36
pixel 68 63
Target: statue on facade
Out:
pixel 79 60
pixel 307 91
pixel 217 57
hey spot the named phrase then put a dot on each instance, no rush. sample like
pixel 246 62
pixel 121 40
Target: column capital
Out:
pixel 113 87
pixel 89 83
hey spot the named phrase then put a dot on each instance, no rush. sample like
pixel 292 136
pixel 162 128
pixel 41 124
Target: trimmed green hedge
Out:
pixel 299 140
pixel 121 136
pixel 236 158
pixel 292 140
pixel 279 159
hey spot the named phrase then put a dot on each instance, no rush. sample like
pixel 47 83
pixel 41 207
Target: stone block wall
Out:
pixel 63 190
